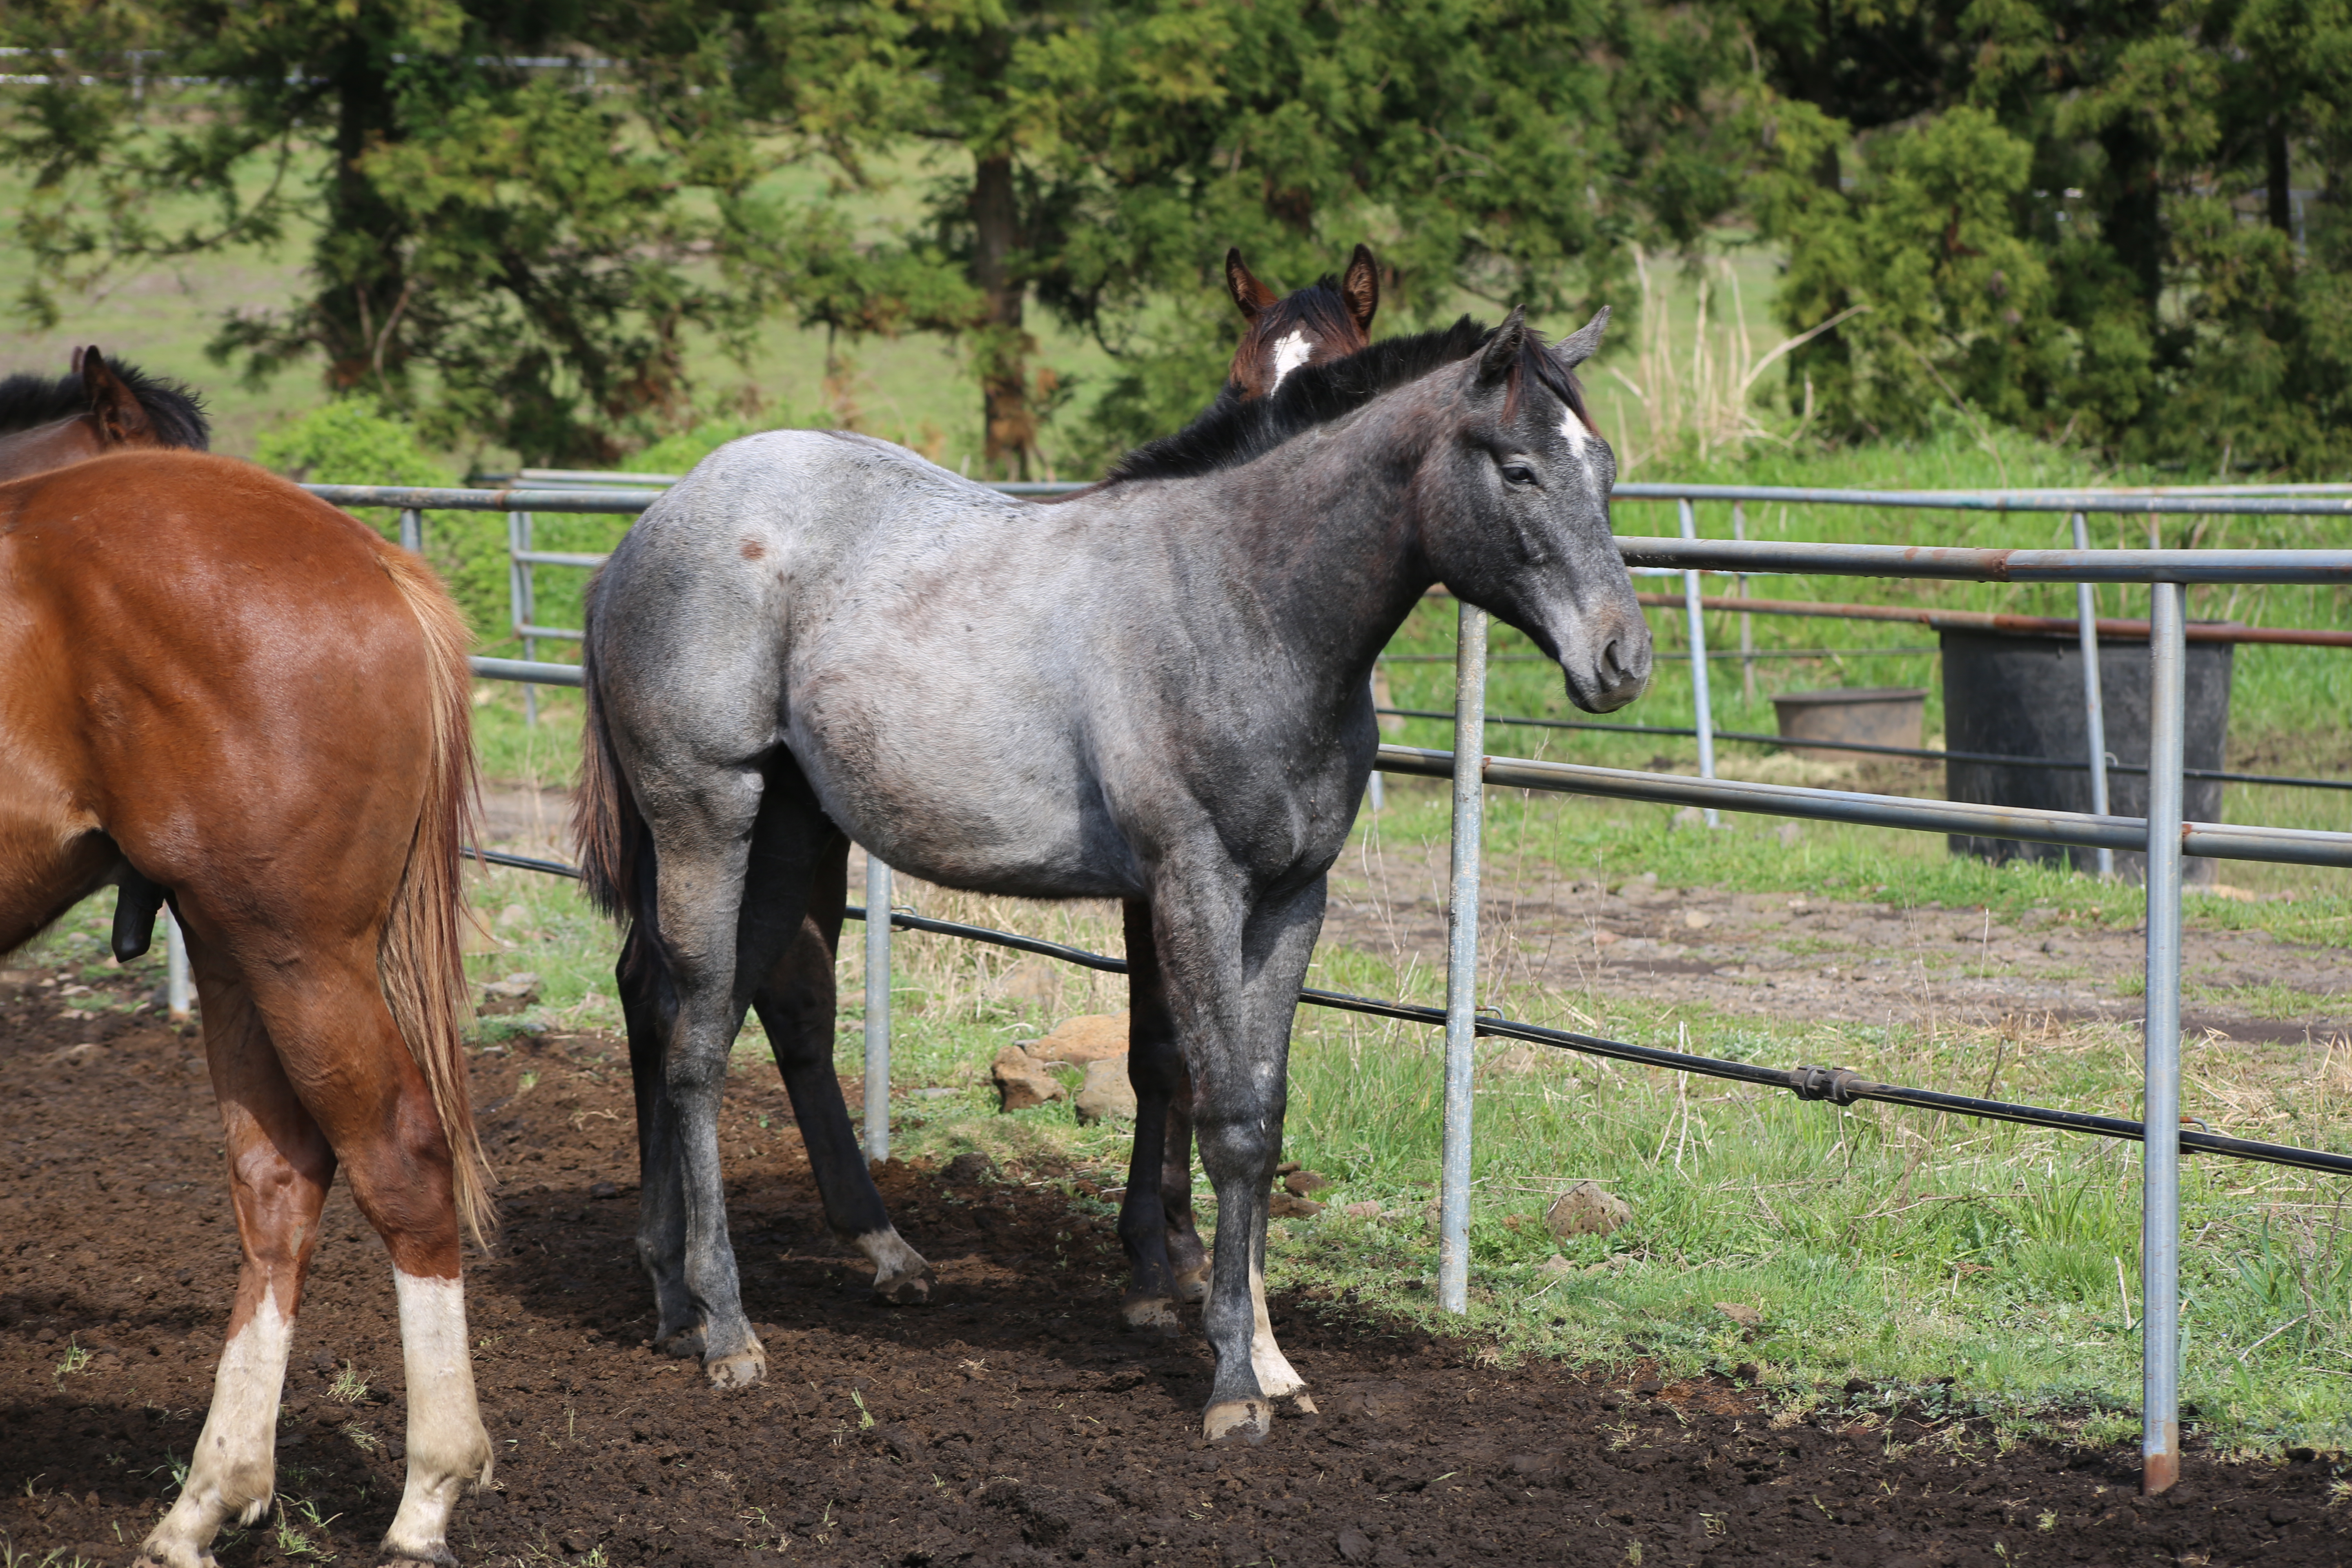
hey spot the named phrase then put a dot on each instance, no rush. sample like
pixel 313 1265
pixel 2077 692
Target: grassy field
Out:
pixel 1978 1263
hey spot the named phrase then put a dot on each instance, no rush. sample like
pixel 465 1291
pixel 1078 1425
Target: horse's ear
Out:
pixel 1360 288
pixel 1248 293
pixel 121 417
pixel 1501 355
pixel 1582 344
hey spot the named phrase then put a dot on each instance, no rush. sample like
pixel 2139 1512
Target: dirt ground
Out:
pixel 1011 1421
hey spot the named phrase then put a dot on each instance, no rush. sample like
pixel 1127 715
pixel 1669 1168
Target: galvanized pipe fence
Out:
pixel 2163 836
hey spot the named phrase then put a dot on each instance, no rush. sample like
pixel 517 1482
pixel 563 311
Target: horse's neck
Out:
pixel 1331 541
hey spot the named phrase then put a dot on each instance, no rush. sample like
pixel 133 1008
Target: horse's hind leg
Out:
pixel 650 1006
pixel 796 1005
pixel 1149 1216
pixel 355 1074
pixel 280 1166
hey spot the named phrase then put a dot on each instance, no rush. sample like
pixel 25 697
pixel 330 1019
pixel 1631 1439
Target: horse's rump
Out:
pixel 193 604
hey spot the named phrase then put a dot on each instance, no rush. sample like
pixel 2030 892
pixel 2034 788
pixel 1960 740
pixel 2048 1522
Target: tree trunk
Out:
pixel 1002 347
pixel 2281 203
pixel 363 291
pixel 2134 224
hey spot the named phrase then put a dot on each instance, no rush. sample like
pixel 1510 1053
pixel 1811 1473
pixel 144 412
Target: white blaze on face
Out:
pixel 446 1444
pixel 234 1469
pixel 1289 355
pixel 1579 440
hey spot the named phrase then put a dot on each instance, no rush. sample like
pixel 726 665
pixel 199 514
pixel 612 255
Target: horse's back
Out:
pixel 201 650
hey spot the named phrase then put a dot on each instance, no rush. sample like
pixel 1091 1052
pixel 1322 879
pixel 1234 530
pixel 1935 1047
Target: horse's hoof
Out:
pixel 1299 1403
pixel 438 1555
pixel 1192 1287
pixel 686 1343
pixel 1246 1421
pixel 1152 1315
pixel 907 1291
pixel 741 1370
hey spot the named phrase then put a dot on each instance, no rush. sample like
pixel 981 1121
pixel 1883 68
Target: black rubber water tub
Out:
pixel 2020 695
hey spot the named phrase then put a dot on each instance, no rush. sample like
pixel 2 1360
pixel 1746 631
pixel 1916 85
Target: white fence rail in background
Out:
pixel 2162 835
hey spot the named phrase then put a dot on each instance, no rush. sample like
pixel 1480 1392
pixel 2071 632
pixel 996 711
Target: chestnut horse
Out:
pixel 97 408
pixel 229 690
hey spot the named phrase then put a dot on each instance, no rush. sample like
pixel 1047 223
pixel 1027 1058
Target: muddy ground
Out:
pixel 1011 1421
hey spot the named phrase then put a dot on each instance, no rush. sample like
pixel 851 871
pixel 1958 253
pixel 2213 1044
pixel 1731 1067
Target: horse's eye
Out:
pixel 1518 474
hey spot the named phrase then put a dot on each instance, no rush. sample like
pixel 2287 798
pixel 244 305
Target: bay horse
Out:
pixel 1156 691
pixel 1327 320
pixel 226 688
pixel 51 421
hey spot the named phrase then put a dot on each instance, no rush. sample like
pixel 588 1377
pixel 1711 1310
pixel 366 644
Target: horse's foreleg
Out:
pixel 796 1006
pixel 1238 1047
pixel 1186 1256
pixel 649 1008
pixel 1155 1066
pixel 339 1046
pixel 279 1167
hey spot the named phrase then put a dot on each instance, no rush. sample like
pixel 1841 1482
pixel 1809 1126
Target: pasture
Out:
pixel 1862 1334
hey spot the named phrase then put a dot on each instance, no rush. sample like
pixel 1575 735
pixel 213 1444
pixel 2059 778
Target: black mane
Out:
pixel 1232 432
pixel 177 414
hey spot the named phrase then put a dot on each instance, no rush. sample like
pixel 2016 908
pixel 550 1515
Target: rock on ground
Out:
pixel 1022 1082
pixel 1106 1092
pixel 1587 1209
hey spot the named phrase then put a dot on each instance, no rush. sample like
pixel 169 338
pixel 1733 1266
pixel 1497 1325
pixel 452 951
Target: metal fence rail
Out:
pixel 2163 834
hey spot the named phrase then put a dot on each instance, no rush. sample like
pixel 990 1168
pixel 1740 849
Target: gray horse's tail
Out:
pixel 606 826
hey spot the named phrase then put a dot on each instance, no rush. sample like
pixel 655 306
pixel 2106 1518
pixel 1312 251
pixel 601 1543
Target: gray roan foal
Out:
pixel 1156 693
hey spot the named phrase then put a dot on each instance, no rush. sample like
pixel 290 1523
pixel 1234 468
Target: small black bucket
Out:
pixel 2019 695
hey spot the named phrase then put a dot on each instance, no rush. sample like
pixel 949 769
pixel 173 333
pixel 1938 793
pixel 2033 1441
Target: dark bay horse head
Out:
pixel 1520 523
pixel 48 422
pixel 1329 318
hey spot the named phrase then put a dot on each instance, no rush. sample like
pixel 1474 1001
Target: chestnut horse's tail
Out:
pixel 420 960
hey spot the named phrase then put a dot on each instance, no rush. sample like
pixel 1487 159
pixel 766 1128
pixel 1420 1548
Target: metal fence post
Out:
pixel 519 602
pixel 2094 713
pixel 412 530
pixel 1746 620
pixel 878 1008
pixel 1377 796
pixel 2160 1170
pixel 175 967
pixel 1462 958
pixel 1701 702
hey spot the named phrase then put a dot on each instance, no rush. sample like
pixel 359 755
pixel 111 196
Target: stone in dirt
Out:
pixel 1555 1264
pixel 1290 1205
pixel 1305 1184
pixel 504 998
pixel 1088 1038
pixel 1022 1082
pixel 1367 1209
pixel 1106 1092
pixel 1587 1209
pixel 1747 1317
pixel 1353 1546
pixel 966 1168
